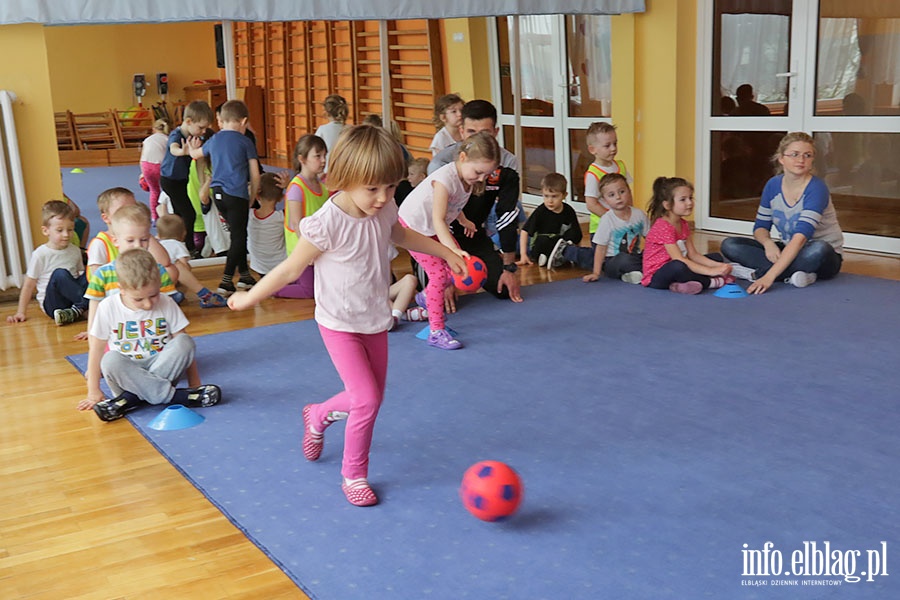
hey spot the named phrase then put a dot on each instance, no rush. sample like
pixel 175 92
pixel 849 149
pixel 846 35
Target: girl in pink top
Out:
pixel 348 239
pixel 670 259
pixel 437 202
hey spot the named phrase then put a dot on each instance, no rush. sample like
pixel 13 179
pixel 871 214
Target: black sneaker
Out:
pixel 64 316
pixel 112 409
pixel 226 288
pixel 246 282
pixel 205 395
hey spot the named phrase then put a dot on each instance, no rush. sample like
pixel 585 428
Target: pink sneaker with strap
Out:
pixel 312 442
pixel 359 493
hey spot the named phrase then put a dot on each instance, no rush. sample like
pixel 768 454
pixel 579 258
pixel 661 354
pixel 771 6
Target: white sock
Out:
pixel 716 282
pixel 397 313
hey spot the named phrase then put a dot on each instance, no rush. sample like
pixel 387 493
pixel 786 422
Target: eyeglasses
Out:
pixel 805 155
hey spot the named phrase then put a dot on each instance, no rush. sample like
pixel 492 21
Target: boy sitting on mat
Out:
pixel 148 348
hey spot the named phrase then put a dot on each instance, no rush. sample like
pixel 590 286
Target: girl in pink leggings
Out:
pixel 348 238
pixel 433 205
pixel 153 151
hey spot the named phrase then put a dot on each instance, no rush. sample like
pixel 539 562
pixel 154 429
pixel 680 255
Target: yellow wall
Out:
pixel 92 66
pixel 27 76
pixel 466 58
pixel 665 76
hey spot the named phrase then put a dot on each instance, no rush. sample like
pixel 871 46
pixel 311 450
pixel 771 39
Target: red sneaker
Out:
pixel 359 493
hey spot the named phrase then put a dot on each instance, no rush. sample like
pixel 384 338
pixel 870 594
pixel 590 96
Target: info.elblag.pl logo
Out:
pixel 813 559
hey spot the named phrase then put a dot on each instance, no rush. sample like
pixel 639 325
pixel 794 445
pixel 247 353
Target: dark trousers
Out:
pixel 676 271
pixel 621 263
pixel 65 291
pixel 182 205
pixel 236 212
pixel 542 244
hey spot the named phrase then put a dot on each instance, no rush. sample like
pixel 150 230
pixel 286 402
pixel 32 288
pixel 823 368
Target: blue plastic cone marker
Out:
pixel 423 335
pixel 730 290
pixel 176 416
pixel 77 170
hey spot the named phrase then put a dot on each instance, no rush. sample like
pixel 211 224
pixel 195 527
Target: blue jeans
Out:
pixel 65 291
pixel 814 257
pixel 581 256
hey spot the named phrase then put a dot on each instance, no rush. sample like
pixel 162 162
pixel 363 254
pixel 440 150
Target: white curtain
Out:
pixel 536 56
pixel 886 53
pixel 754 49
pixel 838 58
pixel 590 57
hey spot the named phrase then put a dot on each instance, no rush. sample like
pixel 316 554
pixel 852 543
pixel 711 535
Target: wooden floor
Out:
pixel 89 510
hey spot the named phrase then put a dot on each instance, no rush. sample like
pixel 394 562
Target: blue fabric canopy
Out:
pixel 84 12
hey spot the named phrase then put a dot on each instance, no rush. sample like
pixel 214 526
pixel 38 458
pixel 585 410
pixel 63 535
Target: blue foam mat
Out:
pixel 655 435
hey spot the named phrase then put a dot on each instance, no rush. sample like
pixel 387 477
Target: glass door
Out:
pixel 826 67
pixel 561 67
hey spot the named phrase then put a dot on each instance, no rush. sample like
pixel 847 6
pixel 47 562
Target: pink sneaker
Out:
pixel 312 442
pixel 688 287
pixel 359 493
pixel 443 340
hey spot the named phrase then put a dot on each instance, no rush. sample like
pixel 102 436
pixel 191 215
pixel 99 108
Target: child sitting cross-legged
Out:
pixel 617 241
pixel 129 228
pixel 148 348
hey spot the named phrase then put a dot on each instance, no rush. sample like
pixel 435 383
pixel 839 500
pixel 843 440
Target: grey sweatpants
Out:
pixel 150 379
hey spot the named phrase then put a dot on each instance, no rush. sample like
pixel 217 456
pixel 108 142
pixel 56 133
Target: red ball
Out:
pixel 474 278
pixel 143 183
pixel 491 490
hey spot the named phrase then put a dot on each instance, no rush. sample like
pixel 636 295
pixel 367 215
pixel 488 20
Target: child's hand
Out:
pixel 457 262
pixel 468 226
pixel 723 270
pixel 590 277
pixel 89 402
pixel 283 178
pixel 240 301
pixel 16 318
pixel 773 252
pixel 80 337
pixel 525 260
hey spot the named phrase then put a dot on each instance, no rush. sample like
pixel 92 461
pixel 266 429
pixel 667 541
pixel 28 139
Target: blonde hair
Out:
pixel 336 108
pixel 480 146
pixel 171 227
pixel 134 214
pixel 365 155
pixel 161 125
pixel 787 140
pixel 598 128
pixel 136 268
pixel 56 208
pixel 106 197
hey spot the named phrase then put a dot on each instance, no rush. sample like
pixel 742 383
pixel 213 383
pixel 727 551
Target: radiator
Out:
pixel 15 232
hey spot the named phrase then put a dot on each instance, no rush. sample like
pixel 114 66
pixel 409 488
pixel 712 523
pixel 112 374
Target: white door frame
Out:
pixel 800 117
pixel 561 122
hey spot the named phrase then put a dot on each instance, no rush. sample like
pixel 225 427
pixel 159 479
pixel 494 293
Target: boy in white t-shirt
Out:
pixel 55 269
pixel 149 350
pixel 617 241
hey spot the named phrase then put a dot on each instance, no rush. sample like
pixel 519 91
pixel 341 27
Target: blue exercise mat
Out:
pixel 662 441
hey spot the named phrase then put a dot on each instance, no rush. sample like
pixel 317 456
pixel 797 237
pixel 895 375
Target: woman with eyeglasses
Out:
pixel 799 205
